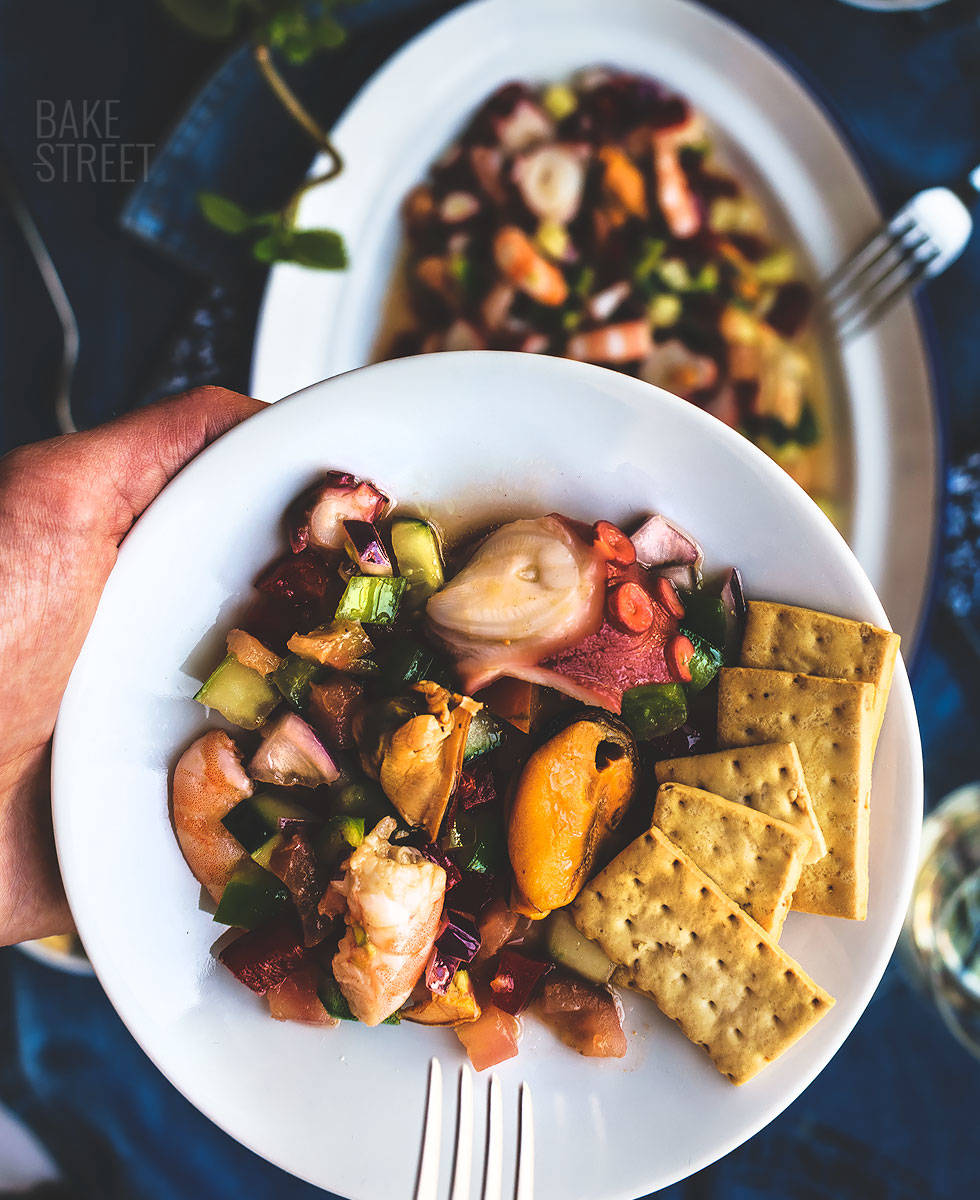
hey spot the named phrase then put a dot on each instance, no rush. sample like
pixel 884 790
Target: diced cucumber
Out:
pixel 293 677
pixel 371 599
pixel 339 836
pixel 674 273
pixel 409 661
pixel 705 662
pixel 654 709
pixel 361 798
pixel 777 267
pixel 241 695
pixel 572 949
pixel 664 309
pixel 476 841
pixel 256 819
pixel 251 897
pixel 484 734
pixel 419 558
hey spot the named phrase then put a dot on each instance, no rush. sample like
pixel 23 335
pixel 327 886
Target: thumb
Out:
pixel 138 454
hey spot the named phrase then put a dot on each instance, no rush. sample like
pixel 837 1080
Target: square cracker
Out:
pixel 766 778
pixel 754 859
pixel 784 638
pixel 677 937
pixel 832 723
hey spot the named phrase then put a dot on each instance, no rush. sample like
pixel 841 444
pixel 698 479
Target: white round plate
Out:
pixel 317 324
pixel 463 437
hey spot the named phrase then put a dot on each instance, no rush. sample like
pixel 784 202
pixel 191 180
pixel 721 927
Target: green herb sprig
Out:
pixel 297 29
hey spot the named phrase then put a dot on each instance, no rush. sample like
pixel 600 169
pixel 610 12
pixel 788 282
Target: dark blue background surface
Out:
pixel 895 1113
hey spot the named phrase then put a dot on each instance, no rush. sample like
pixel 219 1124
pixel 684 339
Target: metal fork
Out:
pixel 918 243
pixel 427 1187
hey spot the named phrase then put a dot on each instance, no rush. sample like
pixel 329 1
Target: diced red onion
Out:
pixel 458 207
pixel 439 972
pixel 364 546
pixel 525 124
pixel 601 306
pixel 301 578
pixel 460 939
pixel 291 754
pixel 661 543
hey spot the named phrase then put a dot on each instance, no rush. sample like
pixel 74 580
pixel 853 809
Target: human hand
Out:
pixel 65 506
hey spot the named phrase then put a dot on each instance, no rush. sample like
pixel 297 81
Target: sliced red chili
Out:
pixel 666 593
pixel 613 544
pixel 678 652
pixel 631 608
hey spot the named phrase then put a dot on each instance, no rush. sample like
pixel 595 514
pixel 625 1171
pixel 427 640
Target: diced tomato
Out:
pixel 630 608
pixel 666 593
pixel 250 652
pixel 678 652
pixel 586 1017
pixel 490 1039
pixel 331 709
pixel 516 980
pixel 513 700
pixel 613 544
pixel 296 999
pixel 498 926
pixel 300 578
pixel 263 958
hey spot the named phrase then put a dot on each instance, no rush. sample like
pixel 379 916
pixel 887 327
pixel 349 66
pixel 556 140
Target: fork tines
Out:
pixel 893 259
pixel 427 1187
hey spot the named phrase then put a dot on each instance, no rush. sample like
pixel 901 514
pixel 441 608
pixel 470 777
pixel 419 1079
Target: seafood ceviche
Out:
pixel 593 219
pixel 439 755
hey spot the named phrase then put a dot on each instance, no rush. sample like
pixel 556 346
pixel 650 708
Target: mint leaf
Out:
pixel 223 213
pixel 320 249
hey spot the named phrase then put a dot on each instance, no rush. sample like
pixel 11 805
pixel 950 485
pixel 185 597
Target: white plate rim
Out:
pixel 63 766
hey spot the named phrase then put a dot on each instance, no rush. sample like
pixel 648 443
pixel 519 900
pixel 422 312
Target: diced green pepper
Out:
pixel 251 897
pixel 419 558
pixel 484 734
pixel 409 661
pixel 654 709
pixel 706 662
pixel 476 841
pixel 704 615
pixel 371 599
pixel 241 695
pixel 293 677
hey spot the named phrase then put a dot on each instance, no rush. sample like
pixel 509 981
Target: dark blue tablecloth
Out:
pixel 894 1115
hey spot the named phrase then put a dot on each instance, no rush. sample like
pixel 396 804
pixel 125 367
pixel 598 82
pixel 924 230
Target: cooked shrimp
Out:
pixel 518 260
pixel 624 180
pixel 625 342
pixel 677 202
pixel 394 907
pixel 208 782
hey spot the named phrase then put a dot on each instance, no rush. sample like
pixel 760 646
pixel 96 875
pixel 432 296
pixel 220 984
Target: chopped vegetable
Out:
pixel 410 661
pixel 659 542
pixel 338 837
pixel 294 861
pixel 483 736
pixel 459 1004
pixel 361 798
pixel 527 269
pixel 499 924
pixel 263 957
pixel 460 939
pixel 585 1017
pixel 251 897
pixel 332 999
pixel 491 1039
pixel 293 677
pixel 365 548
pixel 291 754
pixel 373 600
pixel 339 644
pixel 575 951
pixel 559 101
pixel 704 664
pixel 551 179
pixel 304 578
pixel 419 558
pixel 516 980
pixel 331 706
pixel 260 822
pixel 241 695
pixel 296 999
pixel 250 652
pixel 654 709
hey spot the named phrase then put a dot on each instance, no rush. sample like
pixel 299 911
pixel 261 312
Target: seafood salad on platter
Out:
pixel 597 218
pixel 438 764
